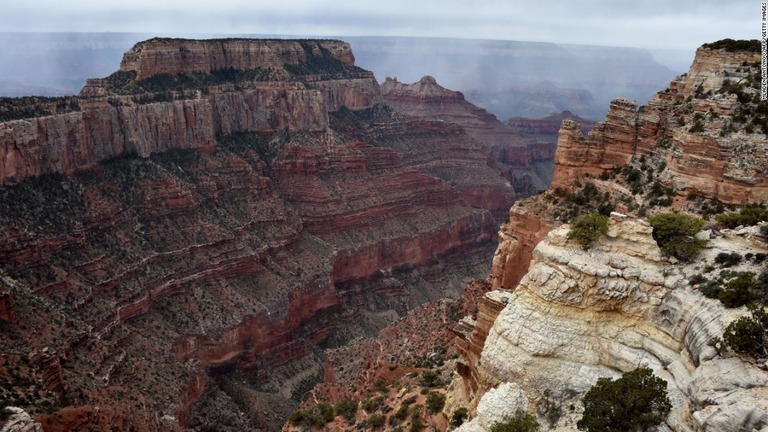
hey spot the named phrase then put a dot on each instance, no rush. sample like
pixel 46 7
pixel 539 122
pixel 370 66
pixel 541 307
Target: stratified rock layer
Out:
pixel 179 56
pixel 579 315
pixel 564 316
pixel 522 161
pixel 177 114
pixel 696 125
pixel 177 243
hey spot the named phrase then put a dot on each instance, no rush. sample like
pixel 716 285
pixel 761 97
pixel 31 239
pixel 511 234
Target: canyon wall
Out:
pixel 700 125
pixel 182 241
pixel 117 115
pixel 522 158
pixel 564 316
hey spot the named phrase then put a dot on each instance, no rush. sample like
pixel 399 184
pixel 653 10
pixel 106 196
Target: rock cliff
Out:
pixel 525 162
pixel 708 127
pixel 182 94
pixel 620 305
pixel 179 244
pixel 179 56
pixel 565 316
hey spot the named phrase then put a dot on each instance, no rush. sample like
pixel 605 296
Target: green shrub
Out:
pixel 731 45
pixel 347 409
pixel 376 421
pixel 746 216
pixel 551 409
pixel 435 402
pixel 381 386
pixel 297 417
pixel 586 229
pixel 318 415
pixel 417 424
pixel 697 127
pixel 749 335
pixel 635 402
pixel 697 279
pixel 371 405
pixel 674 233
pixel 325 410
pixel 430 378
pixel 458 417
pixel 728 259
pixel 521 421
pixel 711 289
pixel 739 291
pixel 401 414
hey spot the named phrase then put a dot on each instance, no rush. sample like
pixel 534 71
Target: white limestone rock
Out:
pixel 581 315
pixel 17 420
pixel 496 406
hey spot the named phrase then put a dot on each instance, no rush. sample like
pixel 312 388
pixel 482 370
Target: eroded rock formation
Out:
pixel 522 160
pixel 620 305
pixel 700 125
pixel 181 94
pixel 569 316
pixel 177 243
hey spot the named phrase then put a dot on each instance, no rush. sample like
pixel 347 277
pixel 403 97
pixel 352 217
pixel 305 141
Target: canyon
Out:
pixel 180 243
pixel 202 237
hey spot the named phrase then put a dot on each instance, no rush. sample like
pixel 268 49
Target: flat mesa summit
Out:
pixel 180 243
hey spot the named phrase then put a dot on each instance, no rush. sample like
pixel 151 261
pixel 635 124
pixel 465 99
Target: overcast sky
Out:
pixel 684 24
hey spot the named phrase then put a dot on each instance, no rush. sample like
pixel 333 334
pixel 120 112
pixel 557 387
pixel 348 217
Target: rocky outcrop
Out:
pixel 712 66
pixel 498 405
pixel 14 419
pixel 615 307
pixel 472 332
pixel 611 143
pixel 516 242
pixel 149 106
pixel 696 126
pixel 570 316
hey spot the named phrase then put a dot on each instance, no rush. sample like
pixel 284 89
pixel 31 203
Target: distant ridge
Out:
pixel 493 74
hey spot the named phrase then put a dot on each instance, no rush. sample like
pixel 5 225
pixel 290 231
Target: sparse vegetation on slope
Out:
pixel 746 216
pixel 731 45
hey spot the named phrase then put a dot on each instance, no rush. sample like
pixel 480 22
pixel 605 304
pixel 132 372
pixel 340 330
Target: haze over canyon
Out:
pixel 263 234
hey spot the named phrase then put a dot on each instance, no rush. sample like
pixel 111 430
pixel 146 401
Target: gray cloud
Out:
pixel 640 23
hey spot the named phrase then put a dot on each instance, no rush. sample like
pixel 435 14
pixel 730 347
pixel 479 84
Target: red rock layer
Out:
pixel 611 143
pixel 507 152
pixel 107 125
pixel 205 266
pixel 517 239
pixel 711 162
